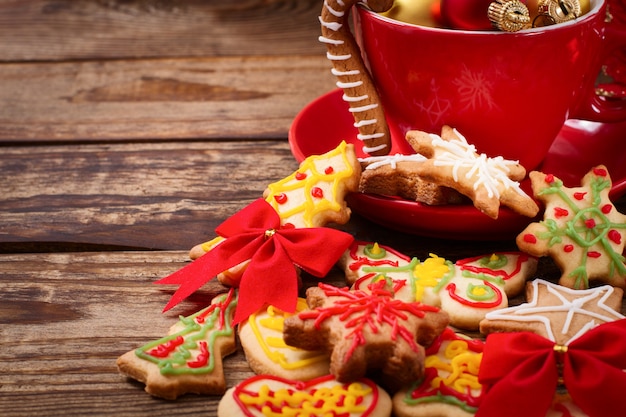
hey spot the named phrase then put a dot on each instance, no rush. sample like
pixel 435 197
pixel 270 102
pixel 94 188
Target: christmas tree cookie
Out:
pixel 189 358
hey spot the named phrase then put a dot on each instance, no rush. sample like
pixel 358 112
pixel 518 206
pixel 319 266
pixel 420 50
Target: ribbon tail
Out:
pixel 269 279
pixel 191 277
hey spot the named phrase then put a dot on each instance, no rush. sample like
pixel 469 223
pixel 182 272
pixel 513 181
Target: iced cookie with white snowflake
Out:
pixel 581 230
pixel 558 313
pixel 488 182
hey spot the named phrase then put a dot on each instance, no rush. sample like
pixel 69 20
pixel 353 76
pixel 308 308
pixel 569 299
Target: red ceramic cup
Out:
pixel 508 93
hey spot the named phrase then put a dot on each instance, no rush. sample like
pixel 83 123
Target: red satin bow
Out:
pixel 254 234
pixel 520 373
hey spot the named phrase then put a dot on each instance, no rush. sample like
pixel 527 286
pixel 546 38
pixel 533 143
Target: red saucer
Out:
pixel 325 122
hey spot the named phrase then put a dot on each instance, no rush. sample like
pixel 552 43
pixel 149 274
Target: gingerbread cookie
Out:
pixel 557 313
pixel 353 77
pixel 397 175
pixel 365 331
pixel 189 359
pixel 261 337
pixel 466 290
pixel 488 182
pixel 312 196
pixel 265 395
pixel 582 230
pixel 450 386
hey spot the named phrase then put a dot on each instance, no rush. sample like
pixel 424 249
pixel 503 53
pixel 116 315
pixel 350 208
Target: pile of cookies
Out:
pixel 390 340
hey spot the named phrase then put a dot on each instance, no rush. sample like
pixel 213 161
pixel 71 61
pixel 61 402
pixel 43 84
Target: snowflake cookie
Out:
pixel 582 230
pixel 488 182
pixel 366 331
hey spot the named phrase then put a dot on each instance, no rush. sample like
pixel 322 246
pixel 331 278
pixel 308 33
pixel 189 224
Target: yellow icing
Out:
pixel 315 402
pixel 375 249
pixel 301 205
pixel 267 327
pixel 207 246
pixel 457 367
pixel 428 274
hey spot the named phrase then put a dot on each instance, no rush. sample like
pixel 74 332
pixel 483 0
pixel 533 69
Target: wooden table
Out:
pixel 128 131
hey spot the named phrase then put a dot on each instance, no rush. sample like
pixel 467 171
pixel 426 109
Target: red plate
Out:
pixel 325 122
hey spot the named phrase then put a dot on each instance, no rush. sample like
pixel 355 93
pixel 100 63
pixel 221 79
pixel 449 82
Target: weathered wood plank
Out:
pixel 36 30
pixel 233 97
pixel 142 195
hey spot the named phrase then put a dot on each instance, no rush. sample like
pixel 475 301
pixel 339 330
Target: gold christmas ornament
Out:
pixel 509 15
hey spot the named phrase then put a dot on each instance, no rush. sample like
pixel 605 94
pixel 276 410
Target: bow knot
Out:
pixel 521 372
pixel 255 234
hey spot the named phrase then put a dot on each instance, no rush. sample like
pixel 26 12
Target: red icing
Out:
pixel 594 254
pixel 299 386
pixel 521 258
pixel 606 209
pixel 560 212
pixel 530 238
pixel 590 223
pixel 359 310
pixel 329 170
pixel 360 261
pixel 281 198
pixel 317 192
pixel 568 248
pixel 549 178
pixel 615 236
pixel 580 195
pixel 600 172
pixel 300 176
pixel 478 304
pixel 203 357
pixel 164 350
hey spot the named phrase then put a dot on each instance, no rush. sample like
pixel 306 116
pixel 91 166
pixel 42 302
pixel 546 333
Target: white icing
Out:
pixel 531 312
pixel 489 172
pixel 367 149
pixel 362 108
pixel 349 85
pixel 334 26
pixel 391 160
pixel 340 73
pixel 336 13
pixel 365 122
pixel 355 98
pixel 361 136
pixel 338 57
pixel 324 39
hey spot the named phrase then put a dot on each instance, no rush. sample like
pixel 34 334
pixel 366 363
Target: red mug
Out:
pixel 508 93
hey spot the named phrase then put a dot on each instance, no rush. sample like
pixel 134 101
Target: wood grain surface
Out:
pixel 129 129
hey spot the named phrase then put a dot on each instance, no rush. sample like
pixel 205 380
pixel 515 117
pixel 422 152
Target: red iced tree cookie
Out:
pixel 582 230
pixel 366 331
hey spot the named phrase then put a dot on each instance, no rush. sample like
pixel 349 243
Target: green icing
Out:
pixel 192 333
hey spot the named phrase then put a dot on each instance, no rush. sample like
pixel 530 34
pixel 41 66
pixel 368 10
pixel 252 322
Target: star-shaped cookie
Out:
pixel 582 230
pixel 557 313
pixel 488 182
pixel 366 331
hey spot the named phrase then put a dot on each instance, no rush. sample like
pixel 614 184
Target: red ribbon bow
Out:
pixel 520 373
pixel 254 234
